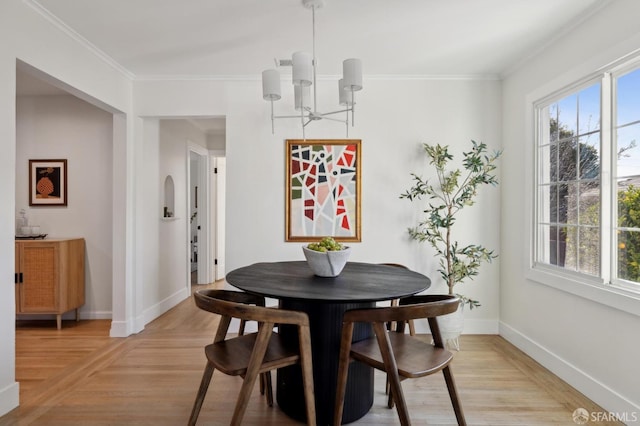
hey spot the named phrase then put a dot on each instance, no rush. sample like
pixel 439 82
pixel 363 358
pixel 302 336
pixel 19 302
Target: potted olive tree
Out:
pixel 455 189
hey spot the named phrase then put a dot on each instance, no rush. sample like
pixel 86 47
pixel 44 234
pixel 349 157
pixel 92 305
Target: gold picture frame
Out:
pixel 323 189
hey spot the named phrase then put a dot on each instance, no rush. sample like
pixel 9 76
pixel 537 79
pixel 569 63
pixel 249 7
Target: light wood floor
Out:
pixel 80 376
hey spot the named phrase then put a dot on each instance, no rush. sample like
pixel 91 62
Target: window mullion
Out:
pixel 607 184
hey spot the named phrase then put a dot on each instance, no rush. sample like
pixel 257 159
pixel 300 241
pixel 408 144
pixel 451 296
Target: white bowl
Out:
pixel 326 264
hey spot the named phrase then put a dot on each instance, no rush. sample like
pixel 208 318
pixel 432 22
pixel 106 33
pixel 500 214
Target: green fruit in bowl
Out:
pixel 326 244
pixel 326 258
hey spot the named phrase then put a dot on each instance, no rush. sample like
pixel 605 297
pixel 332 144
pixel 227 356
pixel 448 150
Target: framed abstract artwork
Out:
pixel 47 183
pixel 323 196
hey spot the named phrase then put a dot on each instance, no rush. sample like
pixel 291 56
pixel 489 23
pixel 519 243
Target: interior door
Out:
pixel 218 185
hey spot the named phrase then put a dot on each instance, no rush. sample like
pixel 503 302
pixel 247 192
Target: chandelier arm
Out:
pixel 289 116
pixel 302 120
pixel 346 121
pixel 346 124
pixel 324 114
pixel 353 109
pixel 273 129
pixel 313 64
pixel 333 119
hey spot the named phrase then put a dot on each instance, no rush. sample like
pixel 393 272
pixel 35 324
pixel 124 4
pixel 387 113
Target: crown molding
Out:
pixel 287 77
pixel 55 21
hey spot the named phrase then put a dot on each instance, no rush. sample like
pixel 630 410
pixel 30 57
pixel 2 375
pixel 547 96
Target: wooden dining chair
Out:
pixel 394 302
pixel 251 354
pixel 400 355
pixel 265 378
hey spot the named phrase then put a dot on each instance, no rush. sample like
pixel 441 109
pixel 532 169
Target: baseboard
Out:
pixel 125 328
pixel 163 306
pixel 9 398
pixel 95 315
pixel 471 326
pixel 599 393
pixel 137 324
pixel 68 316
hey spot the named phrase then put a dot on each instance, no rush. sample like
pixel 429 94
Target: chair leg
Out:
pixel 343 371
pixel 268 387
pixel 412 328
pixel 453 394
pixel 252 373
pixel 307 374
pixel 202 391
pixel 391 368
pixel 262 380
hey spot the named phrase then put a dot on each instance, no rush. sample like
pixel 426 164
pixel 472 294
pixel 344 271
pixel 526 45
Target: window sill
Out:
pixel 609 295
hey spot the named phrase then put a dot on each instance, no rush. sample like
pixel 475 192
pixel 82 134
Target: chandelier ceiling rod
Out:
pixel 304 75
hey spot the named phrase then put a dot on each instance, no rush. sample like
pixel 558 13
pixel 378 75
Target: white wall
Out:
pixel 174 248
pixel 593 347
pixel 33 39
pixel 162 249
pixel 65 127
pixel 216 142
pixel 393 118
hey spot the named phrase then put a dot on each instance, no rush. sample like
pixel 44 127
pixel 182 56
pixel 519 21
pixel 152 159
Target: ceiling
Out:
pixel 199 38
pixel 241 38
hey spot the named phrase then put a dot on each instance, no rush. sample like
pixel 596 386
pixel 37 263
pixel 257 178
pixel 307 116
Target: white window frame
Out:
pixel 605 290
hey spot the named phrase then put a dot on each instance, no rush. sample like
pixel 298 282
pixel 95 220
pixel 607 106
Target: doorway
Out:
pixel 53 117
pixel 199 210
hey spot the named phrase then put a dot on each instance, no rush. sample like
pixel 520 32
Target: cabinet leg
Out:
pixel 77 314
pixel 59 321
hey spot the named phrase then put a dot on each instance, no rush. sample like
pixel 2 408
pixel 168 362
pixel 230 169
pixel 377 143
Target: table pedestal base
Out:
pixel 326 326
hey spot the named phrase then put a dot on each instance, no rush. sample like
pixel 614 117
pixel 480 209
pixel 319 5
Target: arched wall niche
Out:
pixel 169 198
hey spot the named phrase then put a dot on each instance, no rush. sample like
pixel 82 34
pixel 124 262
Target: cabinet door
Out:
pixel 39 289
pixel 17 276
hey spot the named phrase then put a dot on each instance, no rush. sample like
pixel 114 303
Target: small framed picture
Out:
pixel 47 183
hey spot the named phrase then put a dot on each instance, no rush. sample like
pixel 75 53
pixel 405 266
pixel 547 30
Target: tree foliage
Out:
pixel 629 241
pixel 454 190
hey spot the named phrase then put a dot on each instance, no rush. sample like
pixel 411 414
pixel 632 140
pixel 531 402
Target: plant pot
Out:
pixel 326 264
pixel 451 326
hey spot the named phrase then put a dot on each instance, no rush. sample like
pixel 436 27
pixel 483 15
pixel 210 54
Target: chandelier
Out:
pixel 304 77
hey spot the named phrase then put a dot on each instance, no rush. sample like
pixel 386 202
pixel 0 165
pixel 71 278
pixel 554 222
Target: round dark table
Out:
pixel 325 300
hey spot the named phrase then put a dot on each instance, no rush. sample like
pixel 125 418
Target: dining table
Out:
pixel 325 299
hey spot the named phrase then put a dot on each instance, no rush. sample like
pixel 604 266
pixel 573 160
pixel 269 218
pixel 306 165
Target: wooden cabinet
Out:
pixel 49 276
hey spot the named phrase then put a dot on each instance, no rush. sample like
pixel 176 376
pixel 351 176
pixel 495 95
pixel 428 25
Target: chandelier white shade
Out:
pixel 301 97
pixel 352 74
pixel 271 85
pixel 303 78
pixel 302 74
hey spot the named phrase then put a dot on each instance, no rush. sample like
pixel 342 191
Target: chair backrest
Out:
pixel 427 306
pixel 244 306
pixel 413 307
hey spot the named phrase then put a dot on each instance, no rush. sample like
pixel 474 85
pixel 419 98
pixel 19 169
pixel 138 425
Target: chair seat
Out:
pixel 232 356
pixel 414 357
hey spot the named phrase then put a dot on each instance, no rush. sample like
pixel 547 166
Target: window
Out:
pixel 587 205
pixel 627 176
